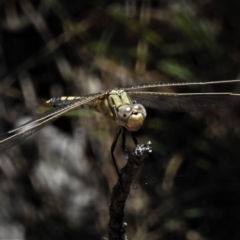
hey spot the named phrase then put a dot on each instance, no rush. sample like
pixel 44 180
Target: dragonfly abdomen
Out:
pixel 64 100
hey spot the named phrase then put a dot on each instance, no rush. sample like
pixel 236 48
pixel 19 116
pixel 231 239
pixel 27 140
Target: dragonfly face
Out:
pixel 131 116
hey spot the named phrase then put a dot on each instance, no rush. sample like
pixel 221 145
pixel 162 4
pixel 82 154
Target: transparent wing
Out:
pixel 159 84
pixel 186 102
pixel 16 135
pixel 52 112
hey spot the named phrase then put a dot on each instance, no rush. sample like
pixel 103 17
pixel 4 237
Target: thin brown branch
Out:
pixel 121 190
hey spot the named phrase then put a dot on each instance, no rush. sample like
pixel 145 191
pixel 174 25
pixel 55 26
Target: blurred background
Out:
pixel 57 183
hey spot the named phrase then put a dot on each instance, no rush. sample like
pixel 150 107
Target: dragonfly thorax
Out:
pixel 131 116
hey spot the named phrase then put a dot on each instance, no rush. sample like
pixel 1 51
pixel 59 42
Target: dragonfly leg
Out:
pixel 112 151
pixel 124 147
pixel 134 139
pixel 122 130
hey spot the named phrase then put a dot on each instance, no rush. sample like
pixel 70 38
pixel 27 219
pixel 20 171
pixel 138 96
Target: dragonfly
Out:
pixel 126 107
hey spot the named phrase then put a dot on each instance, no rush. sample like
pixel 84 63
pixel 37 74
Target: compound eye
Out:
pixel 124 112
pixel 138 108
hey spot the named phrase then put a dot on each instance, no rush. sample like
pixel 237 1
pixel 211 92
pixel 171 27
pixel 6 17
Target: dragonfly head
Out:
pixel 132 116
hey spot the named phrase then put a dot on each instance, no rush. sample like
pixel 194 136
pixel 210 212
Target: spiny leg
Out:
pixel 134 139
pixel 112 151
pixel 124 148
pixel 122 130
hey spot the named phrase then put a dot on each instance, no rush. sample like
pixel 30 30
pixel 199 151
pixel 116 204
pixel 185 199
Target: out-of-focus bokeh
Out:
pixel 57 183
